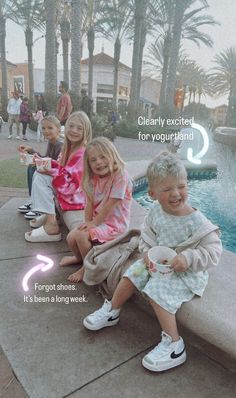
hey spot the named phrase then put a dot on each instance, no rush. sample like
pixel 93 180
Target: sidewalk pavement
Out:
pixel 50 353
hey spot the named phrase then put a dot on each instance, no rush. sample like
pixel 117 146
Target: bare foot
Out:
pixel 68 260
pixel 77 276
pixel 52 229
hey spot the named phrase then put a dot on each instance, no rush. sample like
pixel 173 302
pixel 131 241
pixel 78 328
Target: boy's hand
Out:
pixel 179 263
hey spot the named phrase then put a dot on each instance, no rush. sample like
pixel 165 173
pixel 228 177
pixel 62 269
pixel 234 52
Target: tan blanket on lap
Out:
pixel 105 264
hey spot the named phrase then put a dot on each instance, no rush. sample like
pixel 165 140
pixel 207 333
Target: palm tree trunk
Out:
pixel 65 50
pixel 76 14
pixel 140 64
pixel 29 45
pixel 91 38
pixel 65 37
pixel 180 6
pixel 50 55
pixel 117 48
pixel 4 97
pixel 166 56
pixel 139 15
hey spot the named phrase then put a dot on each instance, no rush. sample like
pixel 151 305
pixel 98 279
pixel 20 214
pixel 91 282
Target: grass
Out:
pixel 13 174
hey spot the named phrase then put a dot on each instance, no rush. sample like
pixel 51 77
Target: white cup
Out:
pixel 26 159
pixel 156 256
pixel 43 164
pixel 29 159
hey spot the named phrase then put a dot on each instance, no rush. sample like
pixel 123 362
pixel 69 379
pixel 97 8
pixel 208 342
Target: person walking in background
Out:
pixel 86 103
pixel 13 109
pixel 24 116
pixel 64 106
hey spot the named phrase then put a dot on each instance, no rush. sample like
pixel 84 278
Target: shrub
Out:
pixel 101 127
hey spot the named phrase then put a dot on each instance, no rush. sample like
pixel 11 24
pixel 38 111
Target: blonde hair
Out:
pixel 87 135
pixel 164 165
pixel 52 119
pixel 107 149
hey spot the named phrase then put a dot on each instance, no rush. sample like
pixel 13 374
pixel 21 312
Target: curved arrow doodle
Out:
pixel 197 158
pixel 39 267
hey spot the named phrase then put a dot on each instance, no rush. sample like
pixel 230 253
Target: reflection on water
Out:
pixel 215 202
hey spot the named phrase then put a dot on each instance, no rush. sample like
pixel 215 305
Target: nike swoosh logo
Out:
pixel 174 355
pixel 112 319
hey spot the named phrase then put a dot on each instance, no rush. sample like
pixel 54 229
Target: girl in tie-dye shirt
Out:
pixel 108 190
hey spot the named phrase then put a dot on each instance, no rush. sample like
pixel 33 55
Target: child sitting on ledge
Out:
pixel 171 222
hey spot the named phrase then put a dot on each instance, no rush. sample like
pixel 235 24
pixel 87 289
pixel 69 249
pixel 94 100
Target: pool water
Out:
pixel 207 196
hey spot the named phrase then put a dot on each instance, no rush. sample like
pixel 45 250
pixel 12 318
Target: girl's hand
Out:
pixel 179 263
pixel 24 148
pixel 86 226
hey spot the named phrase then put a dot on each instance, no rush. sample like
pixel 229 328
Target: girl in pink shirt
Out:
pixel 108 190
pixel 62 180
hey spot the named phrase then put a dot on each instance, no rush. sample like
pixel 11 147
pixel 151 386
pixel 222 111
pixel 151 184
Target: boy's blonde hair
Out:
pixel 53 119
pixel 87 135
pixel 164 165
pixel 108 150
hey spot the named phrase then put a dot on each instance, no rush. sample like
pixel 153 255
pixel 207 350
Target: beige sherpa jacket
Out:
pixel 109 261
pixel 205 242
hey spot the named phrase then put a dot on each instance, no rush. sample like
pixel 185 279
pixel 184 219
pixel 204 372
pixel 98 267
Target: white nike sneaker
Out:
pixel 102 318
pixel 166 355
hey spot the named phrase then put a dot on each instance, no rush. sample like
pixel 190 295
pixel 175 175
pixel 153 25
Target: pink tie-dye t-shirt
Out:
pixel 118 186
pixel 67 182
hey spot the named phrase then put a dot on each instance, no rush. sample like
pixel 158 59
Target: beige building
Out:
pixel 103 75
pixel 219 115
pixel 17 78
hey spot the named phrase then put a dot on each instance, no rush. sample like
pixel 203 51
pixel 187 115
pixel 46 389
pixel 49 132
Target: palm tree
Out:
pixel 188 19
pixel 194 77
pixel 90 26
pixel 76 18
pixel 65 37
pixel 3 16
pixel 161 18
pixel 28 14
pixel 50 54
pixel 224 80
pixel 140 10
pixel 113 23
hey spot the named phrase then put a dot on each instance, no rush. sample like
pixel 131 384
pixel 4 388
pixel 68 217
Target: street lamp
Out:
pixel 38 38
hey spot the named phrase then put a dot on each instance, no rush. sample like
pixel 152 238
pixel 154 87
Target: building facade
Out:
pixel 103 77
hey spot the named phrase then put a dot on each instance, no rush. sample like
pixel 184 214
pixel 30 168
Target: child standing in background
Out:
pixel 38 117
pixel 171 222
pixel 108 190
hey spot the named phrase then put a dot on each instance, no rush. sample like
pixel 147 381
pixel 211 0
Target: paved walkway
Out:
pixel 53 356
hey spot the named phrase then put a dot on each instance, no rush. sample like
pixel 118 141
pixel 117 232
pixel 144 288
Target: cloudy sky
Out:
pixel 224 11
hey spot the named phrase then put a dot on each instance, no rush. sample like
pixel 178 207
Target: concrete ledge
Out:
pixel 209 323
pixel 210 320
